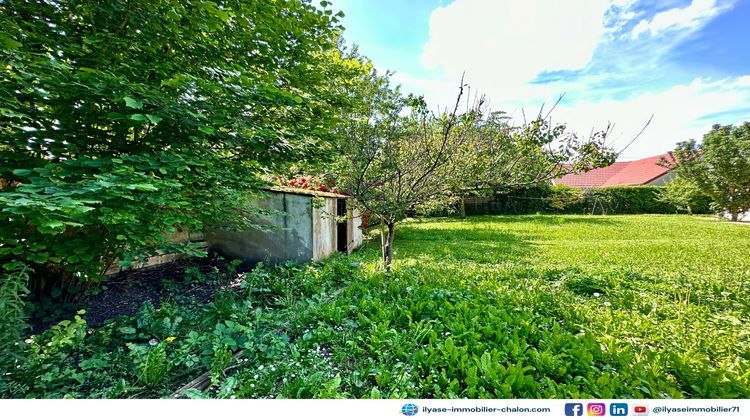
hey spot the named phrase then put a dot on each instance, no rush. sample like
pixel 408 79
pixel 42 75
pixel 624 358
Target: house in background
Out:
pixel 645 171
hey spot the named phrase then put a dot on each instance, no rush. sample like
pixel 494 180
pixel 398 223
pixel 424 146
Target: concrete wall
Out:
pixel 323 227
pixel 287 236
pixel 198 240
pixel 304 229
pixel 354 230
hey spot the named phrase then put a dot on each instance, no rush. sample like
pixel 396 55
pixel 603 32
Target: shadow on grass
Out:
pixel 482 239
pixel 476 245
pixel 541 219
pixel 547 219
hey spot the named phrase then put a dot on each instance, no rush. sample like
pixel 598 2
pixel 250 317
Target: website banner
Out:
pixel 374 409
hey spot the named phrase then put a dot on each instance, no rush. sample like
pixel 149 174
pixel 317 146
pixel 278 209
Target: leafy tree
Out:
pixel 681 193
pixel 719 166
pixel 126 120
pixel 402 159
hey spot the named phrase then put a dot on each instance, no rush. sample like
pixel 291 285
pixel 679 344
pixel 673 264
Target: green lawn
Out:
pixel 507 306
pixel 546 306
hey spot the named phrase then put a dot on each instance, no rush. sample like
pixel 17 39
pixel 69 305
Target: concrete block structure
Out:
pixel 306 225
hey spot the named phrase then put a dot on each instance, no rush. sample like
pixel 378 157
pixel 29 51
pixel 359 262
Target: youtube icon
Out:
pixel 640 410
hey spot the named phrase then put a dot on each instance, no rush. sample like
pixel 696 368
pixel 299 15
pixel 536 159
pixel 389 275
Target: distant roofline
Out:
pixel 594 178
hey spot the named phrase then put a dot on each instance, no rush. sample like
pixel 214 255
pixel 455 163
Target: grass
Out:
pixel 539 306
pixel 485 307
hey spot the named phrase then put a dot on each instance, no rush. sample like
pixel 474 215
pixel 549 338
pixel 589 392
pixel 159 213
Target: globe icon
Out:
pixel 409 409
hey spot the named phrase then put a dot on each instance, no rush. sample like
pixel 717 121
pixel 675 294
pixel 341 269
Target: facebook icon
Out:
pixel 618 409
pixel 573 409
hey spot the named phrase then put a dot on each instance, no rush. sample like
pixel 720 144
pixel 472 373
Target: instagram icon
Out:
pixel 596 409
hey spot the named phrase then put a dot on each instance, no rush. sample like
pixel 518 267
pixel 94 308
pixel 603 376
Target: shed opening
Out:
pixel 341 226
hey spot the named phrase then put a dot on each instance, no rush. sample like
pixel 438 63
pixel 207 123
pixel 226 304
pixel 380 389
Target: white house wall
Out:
pixel 742 217
pixel 662 180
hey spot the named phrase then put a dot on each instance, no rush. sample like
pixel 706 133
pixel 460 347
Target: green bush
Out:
pixel 561 199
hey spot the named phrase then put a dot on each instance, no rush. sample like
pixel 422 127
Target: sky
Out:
pixel 616 62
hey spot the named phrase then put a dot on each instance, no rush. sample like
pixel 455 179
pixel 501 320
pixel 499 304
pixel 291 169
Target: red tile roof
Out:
pixel 593 178
pixel 637 172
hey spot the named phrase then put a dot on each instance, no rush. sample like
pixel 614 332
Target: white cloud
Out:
pixel 677 112
pixel 679 18
pixel 503 45
pixel 509 42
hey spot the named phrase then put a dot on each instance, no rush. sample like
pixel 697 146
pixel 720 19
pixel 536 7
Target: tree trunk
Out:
pixel 734 216
pixel 462 209
pixel 388 246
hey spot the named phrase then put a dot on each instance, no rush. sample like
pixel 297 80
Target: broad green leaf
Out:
pixel 52 227
pixel 144 187
pixel 153 118
pixel 133 103
pixel 127 330
pixel 207 129
pixel 23 172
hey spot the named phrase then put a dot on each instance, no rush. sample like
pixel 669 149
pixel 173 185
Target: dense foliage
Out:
pixel 566 200
pixel 642 199
pixel 683 194
pixel 504 307
pixel 719 166
pixel 125 121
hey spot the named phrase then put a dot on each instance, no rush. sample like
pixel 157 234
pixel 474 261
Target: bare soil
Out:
pixel 124 293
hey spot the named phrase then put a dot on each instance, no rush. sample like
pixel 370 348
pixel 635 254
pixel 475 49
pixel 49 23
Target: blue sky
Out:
pixel 686 62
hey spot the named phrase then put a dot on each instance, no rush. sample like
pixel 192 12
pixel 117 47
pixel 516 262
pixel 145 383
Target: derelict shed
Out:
pixel 309 225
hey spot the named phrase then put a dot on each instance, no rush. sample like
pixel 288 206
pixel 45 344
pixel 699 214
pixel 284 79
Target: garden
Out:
pixel 130 127
pixel 538 306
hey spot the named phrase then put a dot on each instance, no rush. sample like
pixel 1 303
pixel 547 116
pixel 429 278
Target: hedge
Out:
pixel 561 199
